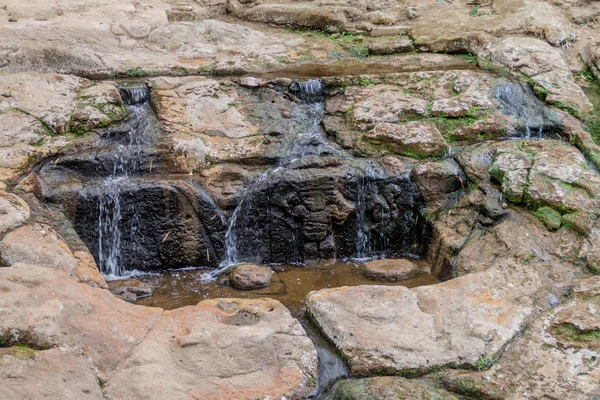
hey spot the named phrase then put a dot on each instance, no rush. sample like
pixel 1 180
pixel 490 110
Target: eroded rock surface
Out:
pixel 223 348
pixel 391 329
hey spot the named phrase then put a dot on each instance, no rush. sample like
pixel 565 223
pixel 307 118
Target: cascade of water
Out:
pixel 366 187
pixel 129 145
pixel 309 141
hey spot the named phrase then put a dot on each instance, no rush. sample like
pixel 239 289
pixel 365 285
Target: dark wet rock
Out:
pixel 130 289
pixel 311 210
pixel 441 184
pixel 165 224
pixel 250 276
pixel 533 117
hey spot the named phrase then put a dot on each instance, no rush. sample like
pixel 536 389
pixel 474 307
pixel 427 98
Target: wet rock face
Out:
pixel 164 225
pixel 315 209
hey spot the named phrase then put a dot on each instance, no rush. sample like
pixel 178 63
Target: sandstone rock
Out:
pixel 417 139
pixel 391 270
pixel 493 126
pixel 391 47
pixel 57 373
pixel 45 308
pixel 250 276
pixel 585 288
pixel 130 289
pixel 539 363
pixel 590 249
pixel 460 106
pixel 441 183
pixel 547 173
pixel 87 270
pixel 387 104
pixel 38 245
pixel 391 329
pixel 584 316
pixel 384 388
pixel 13 211
pixel 220 349
pixel 19 134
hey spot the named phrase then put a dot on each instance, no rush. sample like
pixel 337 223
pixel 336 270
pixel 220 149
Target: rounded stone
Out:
pixel 250 276
pixel 13 211
pixel 391 270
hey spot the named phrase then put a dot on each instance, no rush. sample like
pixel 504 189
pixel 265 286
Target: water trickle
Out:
pixel 129 143
pixel 366 188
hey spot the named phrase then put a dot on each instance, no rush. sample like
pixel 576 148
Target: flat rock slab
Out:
pixel 221 349
pixel 49 374
pixel 383 329
pixel 391 270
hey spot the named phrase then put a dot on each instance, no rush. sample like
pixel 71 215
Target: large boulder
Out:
pixel 382 329
pixel 44 308
pixel 552 358
pixel 220 349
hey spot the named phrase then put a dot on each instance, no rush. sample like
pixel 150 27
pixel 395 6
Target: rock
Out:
pixel 395 329
pixel 13 211
pixel 87 270
pixel 221 349
pixel 519 237
pixel 391 47
pixel 494 126
pixel 384 388
pixel 391 270
pixel 590 249
pixel 586 288
pixel 545 65
pixel 154 206
pixel 251 82
pixel 45 308
pixel 130 289
pixel 387 104
pixel 441 184
pixel 547 173
pixel 545 361
pixel 584 316
pixel 323 17
pixel 314 215
pixel 250 276
pixel 417 139
pixel 58 373
pixel 38 245
pixel 459 106
pixel 19 134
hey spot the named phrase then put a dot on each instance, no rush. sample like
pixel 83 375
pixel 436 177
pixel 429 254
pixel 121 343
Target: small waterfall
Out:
pixel 366 188
pixel 535 120
pixel 129 142
pixel 310 140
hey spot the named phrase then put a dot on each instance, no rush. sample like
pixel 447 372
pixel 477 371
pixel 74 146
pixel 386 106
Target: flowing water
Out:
pixel 129 143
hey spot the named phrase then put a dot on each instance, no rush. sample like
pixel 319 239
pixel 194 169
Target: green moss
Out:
pixel 137 72
pixel 549 217
pixel 572 334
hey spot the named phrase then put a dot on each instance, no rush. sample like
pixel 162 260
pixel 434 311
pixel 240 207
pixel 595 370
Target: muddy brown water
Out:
pixel 290 285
